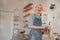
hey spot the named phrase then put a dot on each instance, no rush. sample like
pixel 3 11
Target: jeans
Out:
pixel 35 34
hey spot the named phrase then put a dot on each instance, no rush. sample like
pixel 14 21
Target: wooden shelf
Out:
pixel 16 24
pixel 16 19
pixel 26 15
pixel 25 21
pixel 55 33
pixel 28 5
pixel 28 9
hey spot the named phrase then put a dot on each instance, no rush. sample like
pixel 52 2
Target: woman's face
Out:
pixel 38 9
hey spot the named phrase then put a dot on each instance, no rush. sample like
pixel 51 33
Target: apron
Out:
pixel 36 34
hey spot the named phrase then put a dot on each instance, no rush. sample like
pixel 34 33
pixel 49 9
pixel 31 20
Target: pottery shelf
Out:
pixel 25 21
pixel 28 9
pixel 26 15
pixel 28 5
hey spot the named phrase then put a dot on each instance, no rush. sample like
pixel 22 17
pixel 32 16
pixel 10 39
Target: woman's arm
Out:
pixel 38 27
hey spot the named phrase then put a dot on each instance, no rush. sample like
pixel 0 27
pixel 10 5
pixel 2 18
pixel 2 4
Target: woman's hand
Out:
pixel 45 27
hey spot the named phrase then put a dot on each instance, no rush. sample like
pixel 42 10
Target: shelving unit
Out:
pixel 28 5
pixel 46 34
pixel 26 13
pixel 26 10
pixel 16 24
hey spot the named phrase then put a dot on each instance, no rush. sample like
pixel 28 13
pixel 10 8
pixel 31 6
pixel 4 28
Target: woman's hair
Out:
pixel 40 5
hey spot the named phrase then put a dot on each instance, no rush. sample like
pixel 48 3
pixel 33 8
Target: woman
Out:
pixel 35 24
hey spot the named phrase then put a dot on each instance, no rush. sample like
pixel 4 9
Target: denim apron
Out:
pixel 36 34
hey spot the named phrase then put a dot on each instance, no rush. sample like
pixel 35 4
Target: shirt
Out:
pixel 31 18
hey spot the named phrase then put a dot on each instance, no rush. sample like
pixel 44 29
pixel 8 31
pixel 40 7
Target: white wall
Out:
pixel 6 27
